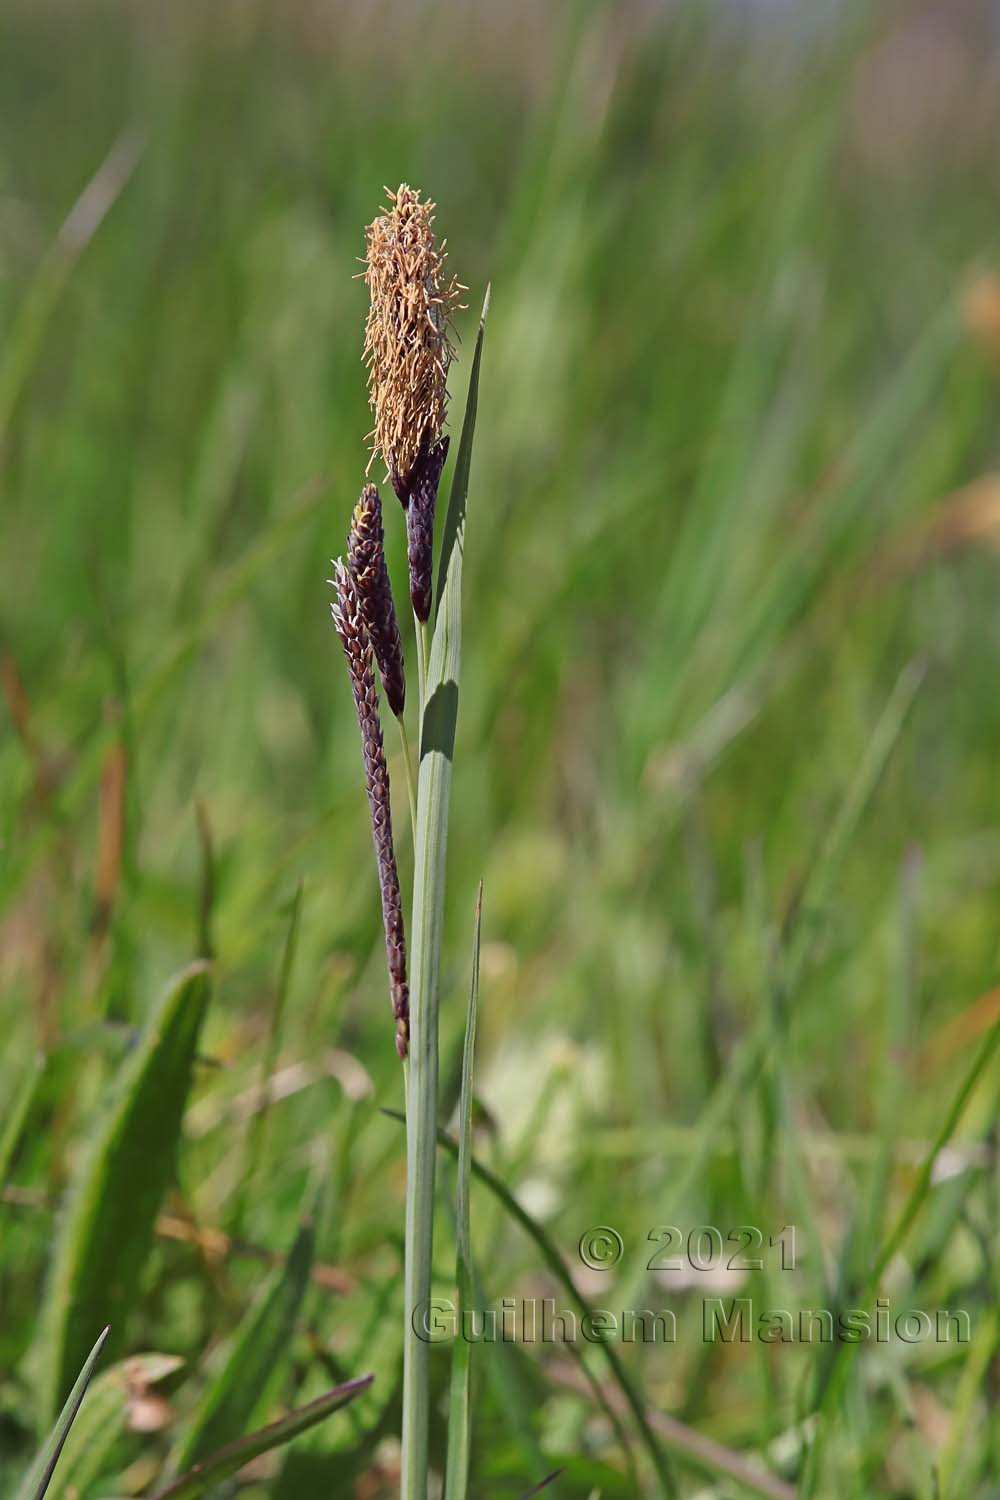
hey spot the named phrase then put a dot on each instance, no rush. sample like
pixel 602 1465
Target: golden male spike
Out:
pixel 407 337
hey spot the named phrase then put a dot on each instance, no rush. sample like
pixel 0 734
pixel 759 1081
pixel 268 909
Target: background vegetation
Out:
pixel 728 736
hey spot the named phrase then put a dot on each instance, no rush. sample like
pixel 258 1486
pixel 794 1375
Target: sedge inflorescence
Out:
pixel 366 561
pixel 407 336
pixel 407 351
pixel 350 626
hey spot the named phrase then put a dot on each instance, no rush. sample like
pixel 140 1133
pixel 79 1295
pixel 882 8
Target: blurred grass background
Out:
pixel 736 472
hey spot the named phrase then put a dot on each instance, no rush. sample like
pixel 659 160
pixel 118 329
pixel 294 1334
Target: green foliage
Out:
pixel 105 1422
pixel 251 1364
pixel 105 1239
pixel 726 755
pixel 439 720
pixel 38 1478
pixel 19 1116
pixel 460 1398
pixel 215 1467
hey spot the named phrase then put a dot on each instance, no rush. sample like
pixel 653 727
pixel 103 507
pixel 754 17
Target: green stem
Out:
pixel 411 791
pixel 424 632
pixel 422 656
pixel 439 678
pixel 421 1112
pixel 421 1084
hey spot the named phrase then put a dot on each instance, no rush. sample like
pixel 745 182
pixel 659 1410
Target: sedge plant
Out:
pixel 408 352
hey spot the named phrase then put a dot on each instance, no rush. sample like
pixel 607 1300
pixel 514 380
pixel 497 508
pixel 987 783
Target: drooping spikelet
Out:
pixel 407 344
pixel 351 628
pixel 420 527
pixel 366 561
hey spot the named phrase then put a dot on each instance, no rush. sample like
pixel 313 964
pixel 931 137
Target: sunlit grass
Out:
pixel 726 755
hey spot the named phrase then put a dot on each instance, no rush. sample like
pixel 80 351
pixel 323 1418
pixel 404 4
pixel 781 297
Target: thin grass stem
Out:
pixel 422 659
pixel 424 635
pixel 438 715
pixel 411 791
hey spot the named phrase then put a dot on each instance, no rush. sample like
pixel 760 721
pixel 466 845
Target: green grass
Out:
pixel 725 759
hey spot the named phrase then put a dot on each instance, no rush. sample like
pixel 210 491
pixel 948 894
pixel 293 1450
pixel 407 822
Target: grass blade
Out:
pixel 831 1379
pixel 207 883
pixel 453 533
pixel 437 740
pixel 537 1489
pixel 891 1091
pixel 554 1261
pixel 242 1383
pixel 109 1226
pixel 84 219
pixel 218 1466
pixel 104 1421
pixel 18 1117
pixel 816 894
pixel 459 1408
pixel 36 1481
pixel 965 1413
pixel 257 1135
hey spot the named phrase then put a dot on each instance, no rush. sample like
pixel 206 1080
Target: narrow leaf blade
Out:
pixel 555 1264
pixel 257 1135
pixel 543 1485
pixel 19 1115
pixel 459 1402
pixel 218 1466
pixel 437 740
pixel 104 1422
pixel 241 1384
pixel 454 521
pixel 108 1230
pixel 36 1481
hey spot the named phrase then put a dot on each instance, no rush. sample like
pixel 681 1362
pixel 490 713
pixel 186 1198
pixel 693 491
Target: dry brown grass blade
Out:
pixel 15 693
pixel 703 1451
pixel 979 306
pixel 971 1023
pixel 968 517
pixel 217 1246
pixel 213 1244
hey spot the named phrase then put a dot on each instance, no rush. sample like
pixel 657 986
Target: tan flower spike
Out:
pixel 407 344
